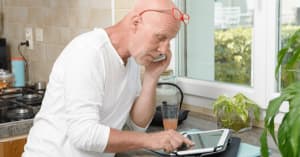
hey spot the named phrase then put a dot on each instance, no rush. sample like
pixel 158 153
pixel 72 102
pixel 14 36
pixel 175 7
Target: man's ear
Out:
pixel 135 22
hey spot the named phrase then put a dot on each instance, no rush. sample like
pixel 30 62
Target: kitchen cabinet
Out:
pixel 12 147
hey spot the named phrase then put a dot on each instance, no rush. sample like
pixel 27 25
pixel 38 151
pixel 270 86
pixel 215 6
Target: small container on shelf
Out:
pixel 6 79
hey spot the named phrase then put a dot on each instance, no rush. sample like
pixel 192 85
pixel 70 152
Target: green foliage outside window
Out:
pixel 233 54
pixel 289 74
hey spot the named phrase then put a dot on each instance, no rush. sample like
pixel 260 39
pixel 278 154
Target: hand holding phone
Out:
pixel 159 58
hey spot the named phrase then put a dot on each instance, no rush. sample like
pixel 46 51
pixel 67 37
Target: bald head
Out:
pixel 152 4
pixel 147 29
pixel 154 17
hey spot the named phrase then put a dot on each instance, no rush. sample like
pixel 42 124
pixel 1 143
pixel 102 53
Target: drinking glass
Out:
pixel 170 115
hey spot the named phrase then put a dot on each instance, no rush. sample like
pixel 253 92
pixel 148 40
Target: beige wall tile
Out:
pixel 14 31
pixel 59 3
pixel 120 13
pixel 61 21
pixel 57 17
pixel 53 51
pixel 99 4
pixel 9 3
pixel 65 35
pixel 52 35
pixel 89 18
pixel 26 3
pixel 124 4
pixel 39 54
pixel 122 8
pixel 79 17
pixel 36 16
pixel 39 71
pixel 15 14
pixel 99 18
pixel 77 31
pixel 131 3
pixel 37 3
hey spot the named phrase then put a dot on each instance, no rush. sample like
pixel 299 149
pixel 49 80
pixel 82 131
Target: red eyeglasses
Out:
pixel 176 13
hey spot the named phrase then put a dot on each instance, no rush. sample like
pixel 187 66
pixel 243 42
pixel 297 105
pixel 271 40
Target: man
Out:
pixel 94 87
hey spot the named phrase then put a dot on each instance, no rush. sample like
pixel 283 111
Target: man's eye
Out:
pixel 161 38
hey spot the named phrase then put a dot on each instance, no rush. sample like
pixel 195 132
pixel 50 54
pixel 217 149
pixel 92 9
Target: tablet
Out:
pixel 212 141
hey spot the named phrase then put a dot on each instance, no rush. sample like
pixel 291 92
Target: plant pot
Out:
pixel 234 122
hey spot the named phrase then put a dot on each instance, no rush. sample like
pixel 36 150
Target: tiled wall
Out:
pixel 122 7
pixel 60 20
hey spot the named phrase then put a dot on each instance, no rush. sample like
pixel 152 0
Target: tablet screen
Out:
pixel 204 140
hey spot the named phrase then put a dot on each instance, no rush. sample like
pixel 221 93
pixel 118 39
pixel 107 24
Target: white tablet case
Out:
pixel 214 150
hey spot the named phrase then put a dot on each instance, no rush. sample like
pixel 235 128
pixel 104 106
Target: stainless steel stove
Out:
pixel 19 104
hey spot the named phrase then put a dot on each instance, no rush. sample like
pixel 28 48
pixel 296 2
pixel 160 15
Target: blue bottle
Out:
pixel 18 69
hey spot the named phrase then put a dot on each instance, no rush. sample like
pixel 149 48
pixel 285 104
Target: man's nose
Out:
pixel 164 46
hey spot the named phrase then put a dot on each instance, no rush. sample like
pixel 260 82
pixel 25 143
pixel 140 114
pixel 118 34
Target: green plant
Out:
pixel 235 112
pixel 288 135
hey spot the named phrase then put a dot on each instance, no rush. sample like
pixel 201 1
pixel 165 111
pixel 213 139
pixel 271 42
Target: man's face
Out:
pixel 152 38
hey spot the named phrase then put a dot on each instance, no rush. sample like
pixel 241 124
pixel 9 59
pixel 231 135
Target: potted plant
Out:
pixel 287 138
pixel 237 112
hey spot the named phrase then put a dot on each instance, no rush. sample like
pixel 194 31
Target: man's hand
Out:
pixel 168 140
pixel 154 69
pixel 144 107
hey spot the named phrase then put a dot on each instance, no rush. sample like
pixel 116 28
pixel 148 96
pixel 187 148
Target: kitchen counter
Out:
pixel 194 120
pixel 14 129
pixel 206 123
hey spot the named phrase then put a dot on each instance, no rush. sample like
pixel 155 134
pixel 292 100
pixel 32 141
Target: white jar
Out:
pixel 166 92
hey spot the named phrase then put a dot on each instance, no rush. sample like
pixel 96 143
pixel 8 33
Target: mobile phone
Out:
pixel 159 58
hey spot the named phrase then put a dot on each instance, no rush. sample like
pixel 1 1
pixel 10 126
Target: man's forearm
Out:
pixel 120 141
pixel 144 106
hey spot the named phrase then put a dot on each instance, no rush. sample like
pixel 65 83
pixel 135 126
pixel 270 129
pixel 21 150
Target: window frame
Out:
pixel 264 85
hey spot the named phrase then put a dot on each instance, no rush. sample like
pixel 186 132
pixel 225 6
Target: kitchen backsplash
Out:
pixel 61 20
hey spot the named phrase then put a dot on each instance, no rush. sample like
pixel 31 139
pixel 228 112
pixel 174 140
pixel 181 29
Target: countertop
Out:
pixel 194 121
pixel 197 121
pixel 15 129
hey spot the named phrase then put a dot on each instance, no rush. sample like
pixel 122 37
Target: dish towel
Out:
pixel 248 150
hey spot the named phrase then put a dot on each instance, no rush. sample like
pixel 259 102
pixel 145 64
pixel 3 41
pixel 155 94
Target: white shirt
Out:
pixel 90 90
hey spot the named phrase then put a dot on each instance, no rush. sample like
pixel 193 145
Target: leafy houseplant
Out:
pixel 288 136
pixel 236 113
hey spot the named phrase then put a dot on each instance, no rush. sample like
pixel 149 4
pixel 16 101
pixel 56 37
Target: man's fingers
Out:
pixel 188 142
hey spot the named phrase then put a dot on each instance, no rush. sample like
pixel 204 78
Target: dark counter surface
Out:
pixel 196 121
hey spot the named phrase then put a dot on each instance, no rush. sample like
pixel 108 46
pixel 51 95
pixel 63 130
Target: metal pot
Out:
pixel 40 85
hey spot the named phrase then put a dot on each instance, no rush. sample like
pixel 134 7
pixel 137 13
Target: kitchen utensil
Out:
pixel 40 85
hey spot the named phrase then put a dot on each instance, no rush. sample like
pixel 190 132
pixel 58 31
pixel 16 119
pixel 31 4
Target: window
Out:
pixel 229 46
pixel 289 23
pixel 218 41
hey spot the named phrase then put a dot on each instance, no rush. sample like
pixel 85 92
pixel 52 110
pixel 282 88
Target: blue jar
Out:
pixel 18 69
